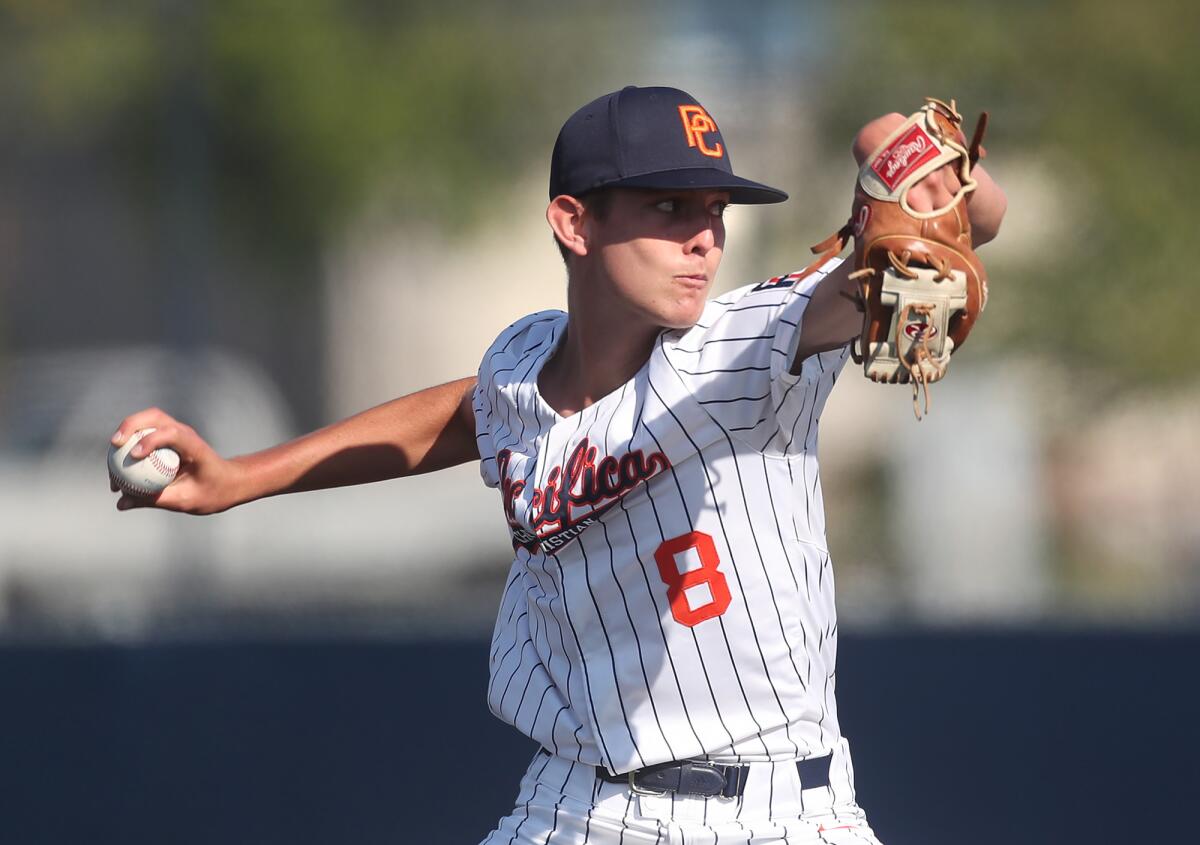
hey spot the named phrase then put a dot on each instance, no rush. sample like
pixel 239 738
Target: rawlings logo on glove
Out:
pixel 912 150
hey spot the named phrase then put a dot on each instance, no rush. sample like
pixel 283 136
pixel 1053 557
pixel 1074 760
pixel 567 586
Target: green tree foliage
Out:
pixel 303 109
pixel 1100 95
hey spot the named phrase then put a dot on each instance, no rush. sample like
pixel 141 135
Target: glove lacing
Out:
pixel 920 354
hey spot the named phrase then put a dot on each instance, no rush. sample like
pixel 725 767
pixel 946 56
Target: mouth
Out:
pixel 697 280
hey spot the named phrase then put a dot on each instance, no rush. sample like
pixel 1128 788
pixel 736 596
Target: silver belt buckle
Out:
pixel 641 790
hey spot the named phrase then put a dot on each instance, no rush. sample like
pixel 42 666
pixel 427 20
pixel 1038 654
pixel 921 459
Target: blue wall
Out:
pixel 958 738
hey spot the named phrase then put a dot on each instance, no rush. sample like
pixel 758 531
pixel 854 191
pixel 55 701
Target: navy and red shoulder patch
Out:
pixel 778 282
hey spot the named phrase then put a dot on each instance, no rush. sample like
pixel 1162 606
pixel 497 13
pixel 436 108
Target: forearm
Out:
pixel 986 206
pixel 832 317
pixel 417 433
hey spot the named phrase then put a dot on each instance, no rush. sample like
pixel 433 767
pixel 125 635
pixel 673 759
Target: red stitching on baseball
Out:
pixel 158 463
pixel 131 488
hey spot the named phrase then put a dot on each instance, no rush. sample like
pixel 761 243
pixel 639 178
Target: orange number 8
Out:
pixel 689 612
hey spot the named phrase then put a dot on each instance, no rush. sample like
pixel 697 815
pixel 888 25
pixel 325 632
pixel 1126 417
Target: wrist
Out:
pixel 240 484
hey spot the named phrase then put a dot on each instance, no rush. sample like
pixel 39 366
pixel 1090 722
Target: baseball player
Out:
pixel 667 631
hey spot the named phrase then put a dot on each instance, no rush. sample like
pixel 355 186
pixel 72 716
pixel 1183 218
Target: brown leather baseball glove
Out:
pixel 921 286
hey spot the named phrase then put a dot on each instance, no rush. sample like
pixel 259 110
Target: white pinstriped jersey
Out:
pixel 671 594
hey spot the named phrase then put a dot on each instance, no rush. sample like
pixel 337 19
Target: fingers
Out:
pixel 874 133
pixel 168 432
pixel 171 436
pixel 127 502
pixel 936 190
pixel 179 495
pixel 149 418
pixel 950 179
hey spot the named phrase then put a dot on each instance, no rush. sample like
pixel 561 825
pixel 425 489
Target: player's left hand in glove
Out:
pixel 921 285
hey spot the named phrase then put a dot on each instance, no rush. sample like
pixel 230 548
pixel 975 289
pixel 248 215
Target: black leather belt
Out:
pixel 709 780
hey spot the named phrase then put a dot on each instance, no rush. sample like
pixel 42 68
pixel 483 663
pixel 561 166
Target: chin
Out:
pixel 682 318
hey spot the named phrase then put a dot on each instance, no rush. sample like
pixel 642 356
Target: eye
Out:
pixel 717 209
pixel 667 206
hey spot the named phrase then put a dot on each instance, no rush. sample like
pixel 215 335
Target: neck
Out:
pixel 604 347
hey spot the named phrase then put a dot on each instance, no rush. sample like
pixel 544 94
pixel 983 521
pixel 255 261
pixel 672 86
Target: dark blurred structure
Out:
pixel 982 738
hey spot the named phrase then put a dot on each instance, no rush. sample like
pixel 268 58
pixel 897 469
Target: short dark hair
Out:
pixel 598 203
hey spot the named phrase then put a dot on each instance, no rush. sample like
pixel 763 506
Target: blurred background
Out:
pixel 263 216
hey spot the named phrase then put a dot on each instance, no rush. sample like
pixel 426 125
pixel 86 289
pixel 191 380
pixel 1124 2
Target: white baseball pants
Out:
pixel 562 802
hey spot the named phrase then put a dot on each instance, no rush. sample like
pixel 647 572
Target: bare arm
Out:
pixel 986 206
pixel 422 432
pixel 833 317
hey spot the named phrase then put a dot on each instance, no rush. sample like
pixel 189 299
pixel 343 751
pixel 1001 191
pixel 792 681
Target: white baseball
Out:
pixel 145 477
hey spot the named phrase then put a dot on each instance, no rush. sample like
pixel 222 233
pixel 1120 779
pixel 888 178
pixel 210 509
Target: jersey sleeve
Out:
pixel 502 372
pixel 735 362
pixel 485 410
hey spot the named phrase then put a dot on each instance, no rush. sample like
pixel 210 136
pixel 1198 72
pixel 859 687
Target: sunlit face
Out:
pixel 658 252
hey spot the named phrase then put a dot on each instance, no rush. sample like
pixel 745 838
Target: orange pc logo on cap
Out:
pixel 630 139
pixel 697 124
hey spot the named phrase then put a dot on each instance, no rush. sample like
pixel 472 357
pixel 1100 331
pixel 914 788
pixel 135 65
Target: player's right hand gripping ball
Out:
pixel 146 477
pixel 921 284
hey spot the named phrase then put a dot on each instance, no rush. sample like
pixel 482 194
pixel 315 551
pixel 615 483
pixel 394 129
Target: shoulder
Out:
pixel 735 361
pixel 766 300
pixel 754 315
pixel 519 341
pixel 772 293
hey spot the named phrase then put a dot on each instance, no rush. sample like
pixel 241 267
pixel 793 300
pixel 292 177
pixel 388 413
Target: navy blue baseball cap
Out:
pixel 647 138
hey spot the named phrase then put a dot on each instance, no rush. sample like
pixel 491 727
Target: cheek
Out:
pixel 636 268
pixel 624 263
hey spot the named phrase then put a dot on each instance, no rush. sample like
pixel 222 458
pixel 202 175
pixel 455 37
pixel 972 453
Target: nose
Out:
pixel 704 238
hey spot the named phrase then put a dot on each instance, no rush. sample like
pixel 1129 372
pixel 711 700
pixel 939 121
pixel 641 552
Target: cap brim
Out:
pixel 741 191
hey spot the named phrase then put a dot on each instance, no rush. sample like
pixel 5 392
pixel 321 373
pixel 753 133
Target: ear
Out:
pixel 565 214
